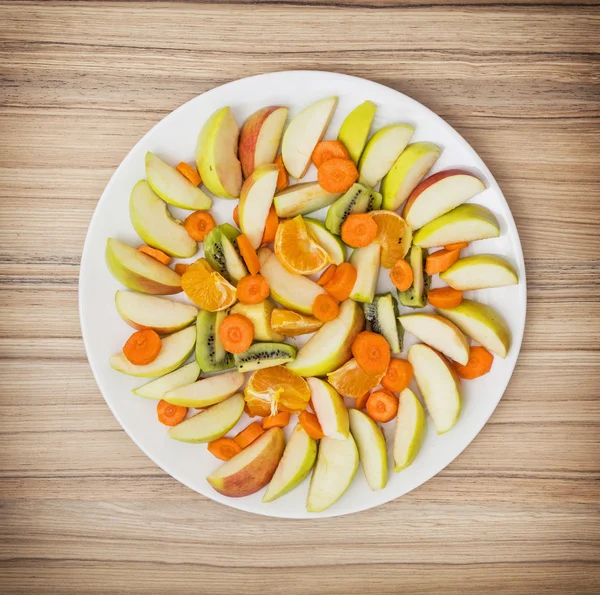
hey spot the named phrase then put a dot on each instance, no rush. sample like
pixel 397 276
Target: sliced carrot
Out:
pixel 328 149
pixel 372 352
pixel 236 333
pixel 382 406
pixel 156 254
pixel 398 375
pixel 248 254
pixel 224 448
pixel 445 297
pixel 252 289
pixel 359 230
pixel 142 347
pixel 198 224
pixel 337 175
pixel 270 226
pixel 340 287
pixel 311 425
pixel 327 275
pixel 181 268
pixel 279 420
pixel 283 178
pixel 457 246
pixel 480 363
pixel 170 414
pixel 249 435
pixel 189 172
pixel 361 402
pixel 325 308
pixel 236 215
pixel 440 261
pixel 401 275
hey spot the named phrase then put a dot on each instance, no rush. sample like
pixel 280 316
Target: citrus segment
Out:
pixel 296 250
pixel 292 324
pixel 393 234
pixel 207 288
pixel 350 380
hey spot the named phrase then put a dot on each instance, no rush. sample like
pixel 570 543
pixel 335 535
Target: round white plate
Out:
pixel 174 139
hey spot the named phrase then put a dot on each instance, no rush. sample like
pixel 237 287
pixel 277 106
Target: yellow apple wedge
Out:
pixel 410 429
pixel 301 199
pixel 480 271
pixel 329 408
pixel 354 130
pixel 372 450
pixel 180 377
pixel 260 317
pixel 206 391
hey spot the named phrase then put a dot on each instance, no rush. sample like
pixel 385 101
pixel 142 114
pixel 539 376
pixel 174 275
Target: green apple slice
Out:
pixel 157 388
pixel 367 261
pixel 210 424
pixel 381 152
pixel 173 187
pixel 439 333
pixel 408 170
pixel 329 408
pixel 330 347
pixel 303 133
pixel 291 290
pixel 260 316
pixel 354 130
pixel 336 467
pixel 206 391
pixel 482 323
pixel 176 348
pixel 297 461
pixel 480 271
pixel 410 429
pixel 333 245
pixel 371 449
pixel 256 199
pixel 301 199
pixel 439 385
pixel 141 310
pixel 465 223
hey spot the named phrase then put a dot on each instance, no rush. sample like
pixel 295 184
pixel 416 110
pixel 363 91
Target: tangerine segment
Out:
pixel 351 381
pixel 393 234
pixel 292 324
pixel 207 288
pixel 296 250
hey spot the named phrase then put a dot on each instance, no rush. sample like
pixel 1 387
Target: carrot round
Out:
pixel 224 448
pixel 457 246
pixel 337 175
pixel 142 347
pixel 236 215
pixel 248 254
pixel 279 420
pixel 283 179
pixel 198 224
pixel 361 402
pixel 249 435
pixel 401 275
pixel 329 149
pixel 372 352
pixel 440 261
pixel 156 254
pixel 325 308
pixel 445 297
pixel 382 406
pixel 480 363
pixel 236 333
pixel 398 375
pixel 311 425
pixel 327 275
pixel 252 289
pixel 181 268
pixel 344 278
pixel 189 172
pixel 359 230
pixel 270 226
pixel 169 414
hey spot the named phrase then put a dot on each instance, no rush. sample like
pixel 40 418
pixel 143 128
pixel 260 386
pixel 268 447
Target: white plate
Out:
pixel 174 139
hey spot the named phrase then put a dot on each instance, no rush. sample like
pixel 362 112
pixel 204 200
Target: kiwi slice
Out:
pixel 416 296
pixel 210 354
pixel 355 200
pixel 221 251
pixel 264 355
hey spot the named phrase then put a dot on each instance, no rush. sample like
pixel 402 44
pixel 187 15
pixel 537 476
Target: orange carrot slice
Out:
pixel 224 448
pixel 156 254
pixel 142 347
pixel 445 297
pixel 480 363
pixel 248 254
pixel 371 352
pixel 189 172
pixel 236 333
pixel 198 225
pixel 252 289
pixel 169 414
pixel 337 175
pixel 401 275
pixel 359 230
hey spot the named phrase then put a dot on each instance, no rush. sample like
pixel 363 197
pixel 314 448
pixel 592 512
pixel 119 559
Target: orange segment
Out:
pixel 393 234
pixel 296 250
pixel 207 288
pixel 292 324
pixel 351 381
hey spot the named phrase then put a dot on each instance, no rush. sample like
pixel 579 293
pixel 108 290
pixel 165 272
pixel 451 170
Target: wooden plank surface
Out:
pixel 82 510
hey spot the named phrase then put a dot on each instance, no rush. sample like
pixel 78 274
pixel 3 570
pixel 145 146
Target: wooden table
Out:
pixel 84 511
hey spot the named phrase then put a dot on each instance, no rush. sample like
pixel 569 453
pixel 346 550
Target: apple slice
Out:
pixel 480 271
pixel 439 333
pixel 333 245
pixel 336 467
pixel 206 391
pixel 157 388
pixel 482 323
pixel 465 223
pixel 259 137
pixel 303 133
pixel 408 170
pixel 330 346
pixel 252 469
pixel 176 348
pixel 260 316
pixel 410 429
pixel 367 261
pixel 173 187
pixel 210 424
pixel 439 194
pixel 140 272
pixel 371 448
pixel 297 461
pixel 354 130
pixel 216 155
pixel 301 199
pixel 292 291
pixel 381 151
pixel 256 199
pixel 439 385
pixel 329 408
pixel 141 310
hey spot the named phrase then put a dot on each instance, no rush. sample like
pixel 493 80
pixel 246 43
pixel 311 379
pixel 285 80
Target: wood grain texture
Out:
pixel 82 510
